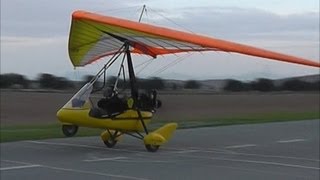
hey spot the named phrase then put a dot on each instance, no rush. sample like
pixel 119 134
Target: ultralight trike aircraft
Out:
pixel 94 36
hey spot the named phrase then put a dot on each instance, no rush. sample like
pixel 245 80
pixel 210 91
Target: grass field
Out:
pixel 32 115
pixel 28 132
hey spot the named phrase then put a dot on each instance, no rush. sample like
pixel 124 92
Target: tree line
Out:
pixel 49 81
pixel 43 81
pixel 267 85
pixel 150 83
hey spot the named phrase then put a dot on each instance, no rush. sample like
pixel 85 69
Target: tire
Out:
pixel 69 130
pixel 110 143
pixel 159 104
pixel 152 148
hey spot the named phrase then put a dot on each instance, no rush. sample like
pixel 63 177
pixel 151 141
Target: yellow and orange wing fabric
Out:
pixel 93 36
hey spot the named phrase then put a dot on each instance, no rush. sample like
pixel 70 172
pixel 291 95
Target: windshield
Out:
pixel 81 99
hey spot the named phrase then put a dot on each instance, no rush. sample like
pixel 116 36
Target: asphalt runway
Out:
pixel 288 150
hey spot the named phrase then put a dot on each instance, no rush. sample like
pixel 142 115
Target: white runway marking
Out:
pixel 29 165
pixel 105 159
pixel 231 152
pixel 268 163
pixel 23 165
pixel 65 144
pixel 19 167
pixel 240 146
pixel 266 155
pixel 96 173
pixel 290 140
pixel 184 151
pixel 223 151
pixel 143 161
pixel 82 146
pixel 16 162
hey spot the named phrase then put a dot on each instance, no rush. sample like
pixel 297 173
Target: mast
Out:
pixel 143 10
pixel 134 88
pixel 133 84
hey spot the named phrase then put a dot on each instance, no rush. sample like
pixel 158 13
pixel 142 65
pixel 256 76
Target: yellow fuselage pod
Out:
pixel 161 135
pixel 126 121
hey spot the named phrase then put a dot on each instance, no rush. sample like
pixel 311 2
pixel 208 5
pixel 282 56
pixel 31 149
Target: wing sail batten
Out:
pixel 150 40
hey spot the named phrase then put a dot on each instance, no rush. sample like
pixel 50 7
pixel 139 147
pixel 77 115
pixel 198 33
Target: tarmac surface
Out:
pixel 288 150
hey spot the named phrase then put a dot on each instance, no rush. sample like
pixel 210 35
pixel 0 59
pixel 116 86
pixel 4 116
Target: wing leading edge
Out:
pixel 93 36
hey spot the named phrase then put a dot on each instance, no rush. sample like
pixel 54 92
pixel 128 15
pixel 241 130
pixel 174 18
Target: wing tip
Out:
pixel 79 14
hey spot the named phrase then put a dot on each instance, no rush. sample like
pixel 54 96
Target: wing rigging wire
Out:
pixel 170 20
pixel 145 66
pixel 120 10
pixel 138 65
pixel 178 60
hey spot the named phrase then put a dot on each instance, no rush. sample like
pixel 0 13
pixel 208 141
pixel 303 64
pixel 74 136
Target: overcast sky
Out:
pixel 34 35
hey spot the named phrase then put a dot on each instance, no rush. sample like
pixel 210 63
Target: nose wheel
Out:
pixel 69 130
pixel 152 148
pixel 110 142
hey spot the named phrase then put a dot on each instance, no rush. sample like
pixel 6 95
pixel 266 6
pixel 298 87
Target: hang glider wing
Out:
pixel 94 36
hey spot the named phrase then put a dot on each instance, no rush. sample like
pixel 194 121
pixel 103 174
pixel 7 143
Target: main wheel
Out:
pixel 69 130
pixel 152 148
pixel 110 143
